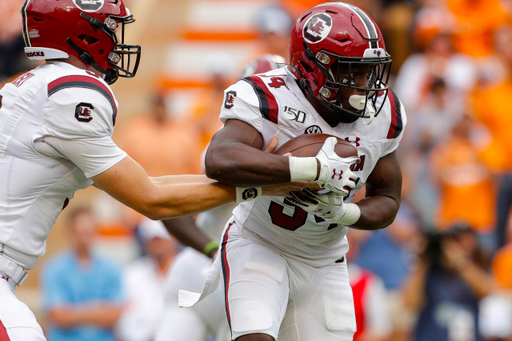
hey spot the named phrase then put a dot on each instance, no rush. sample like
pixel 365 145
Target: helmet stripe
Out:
pixel 367 22
pixel 25 24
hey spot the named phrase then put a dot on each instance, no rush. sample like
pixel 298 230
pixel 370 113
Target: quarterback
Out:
pixel 56 125
pixel 283 260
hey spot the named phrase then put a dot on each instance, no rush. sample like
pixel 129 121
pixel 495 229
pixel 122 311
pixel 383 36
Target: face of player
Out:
pixel 354 80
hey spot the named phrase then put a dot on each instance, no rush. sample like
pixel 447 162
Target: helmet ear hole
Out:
pixel 306 66
pixel 88 39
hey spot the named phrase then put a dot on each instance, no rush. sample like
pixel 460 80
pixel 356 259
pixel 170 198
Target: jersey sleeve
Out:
pixel 242 103
pixel 78 123
pixel 79 106
pixel 397 123
pixel 92 155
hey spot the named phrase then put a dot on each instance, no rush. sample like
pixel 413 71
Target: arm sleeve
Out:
pixel 398 121
pixel 92 155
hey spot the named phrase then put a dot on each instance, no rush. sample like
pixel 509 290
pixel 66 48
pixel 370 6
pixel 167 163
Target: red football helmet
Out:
pixel 262 64
pixel 57 29
pixel 335 37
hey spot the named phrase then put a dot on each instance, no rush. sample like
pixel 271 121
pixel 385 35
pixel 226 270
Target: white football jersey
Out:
pixel 54 100
pixel 274 105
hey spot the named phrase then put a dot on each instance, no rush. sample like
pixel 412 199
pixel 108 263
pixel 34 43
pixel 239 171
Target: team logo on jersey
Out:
pixel 249 193
pixel 313 130
pixel 83 112
pixel 317 28
pixel 230 99
pixel 354 140
pixel 89 5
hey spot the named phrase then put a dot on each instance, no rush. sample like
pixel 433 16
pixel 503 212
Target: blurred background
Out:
pixel 441 271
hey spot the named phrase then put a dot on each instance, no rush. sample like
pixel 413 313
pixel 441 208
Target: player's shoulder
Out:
pixel 65 76
pixel 392 118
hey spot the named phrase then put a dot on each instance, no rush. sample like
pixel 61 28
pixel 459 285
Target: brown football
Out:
pixel 310 144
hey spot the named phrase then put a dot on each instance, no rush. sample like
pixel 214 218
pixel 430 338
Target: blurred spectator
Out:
pixel 81 290
pixel 207 318
pixel 475 24
pixel 205 112
pixel 465 182
pixel 162 144
pixel 449 280
pixel 434 87
pixel 388 253
pixel 12 55
pixel 370 297
pixel 144 283
pixel 491 107
pixel 436 64
pixel 274 24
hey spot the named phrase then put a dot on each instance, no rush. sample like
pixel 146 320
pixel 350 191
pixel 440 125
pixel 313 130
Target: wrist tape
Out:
pixel 303 168
pixel 352 214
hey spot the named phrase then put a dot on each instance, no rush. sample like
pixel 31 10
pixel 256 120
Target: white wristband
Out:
pixel 303 168
pixel 247 194
pixel 352 214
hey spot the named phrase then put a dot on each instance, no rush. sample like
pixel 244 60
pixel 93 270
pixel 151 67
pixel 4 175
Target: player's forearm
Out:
pixel 377 212
pixel 182 178
pixel 129 183
pixel 179 200
pixel 247 167
pixel 104 315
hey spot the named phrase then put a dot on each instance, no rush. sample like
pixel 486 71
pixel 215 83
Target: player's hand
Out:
pixel 335 173
pixel 283 190
pixel 326 205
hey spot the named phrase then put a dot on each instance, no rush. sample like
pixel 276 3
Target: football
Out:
pixel 310 144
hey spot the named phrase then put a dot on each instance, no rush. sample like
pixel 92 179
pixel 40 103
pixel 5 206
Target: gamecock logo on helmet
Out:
pixel 89 5
pixel 317 28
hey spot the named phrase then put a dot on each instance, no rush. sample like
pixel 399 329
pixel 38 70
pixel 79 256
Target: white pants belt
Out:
pixel 12 270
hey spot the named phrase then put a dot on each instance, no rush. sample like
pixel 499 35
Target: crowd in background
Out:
pixel 441 271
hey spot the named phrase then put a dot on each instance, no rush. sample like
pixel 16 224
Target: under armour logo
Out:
pixel 5 277
pixel 356 141
pixel 334 174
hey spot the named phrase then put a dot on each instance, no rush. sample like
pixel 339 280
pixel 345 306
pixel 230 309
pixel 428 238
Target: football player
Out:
pixel 283 261
pixel 189 270
pixel 56 125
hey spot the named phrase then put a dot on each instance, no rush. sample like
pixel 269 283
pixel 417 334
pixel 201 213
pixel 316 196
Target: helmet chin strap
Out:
pixel 110 75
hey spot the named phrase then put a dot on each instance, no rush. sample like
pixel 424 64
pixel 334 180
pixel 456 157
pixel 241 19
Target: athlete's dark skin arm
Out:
pixel 235 157
pixel 383 195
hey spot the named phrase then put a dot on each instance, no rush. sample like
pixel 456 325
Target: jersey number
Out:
pixel 293 222
pixel 277 82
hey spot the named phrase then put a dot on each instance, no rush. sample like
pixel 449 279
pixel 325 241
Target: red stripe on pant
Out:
pixel 3 333
pixel 225 271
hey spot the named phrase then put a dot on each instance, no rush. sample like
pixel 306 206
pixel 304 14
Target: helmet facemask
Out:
pixel 340 74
